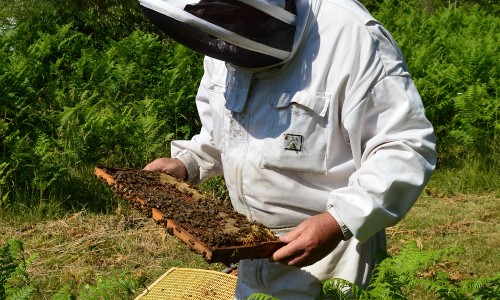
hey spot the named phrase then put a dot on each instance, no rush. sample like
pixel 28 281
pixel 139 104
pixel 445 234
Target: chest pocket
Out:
pixel 297 132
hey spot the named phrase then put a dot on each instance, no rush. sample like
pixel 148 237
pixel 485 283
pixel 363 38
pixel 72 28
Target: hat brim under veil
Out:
pixel 246 33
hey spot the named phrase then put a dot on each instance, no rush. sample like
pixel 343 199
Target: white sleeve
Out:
pixel 394 151
pixel 200 156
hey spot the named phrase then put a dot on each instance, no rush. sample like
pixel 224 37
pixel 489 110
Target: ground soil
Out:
pixel 212 221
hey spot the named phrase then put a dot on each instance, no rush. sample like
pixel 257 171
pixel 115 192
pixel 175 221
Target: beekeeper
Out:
pixel 309 112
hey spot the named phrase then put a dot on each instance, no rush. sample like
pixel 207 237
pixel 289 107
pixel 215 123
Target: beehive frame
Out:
pixel 226 255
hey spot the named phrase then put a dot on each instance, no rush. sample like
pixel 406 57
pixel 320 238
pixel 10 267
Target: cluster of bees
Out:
pixel 212 221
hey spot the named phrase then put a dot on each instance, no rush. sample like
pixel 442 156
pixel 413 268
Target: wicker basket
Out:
pixel 193 284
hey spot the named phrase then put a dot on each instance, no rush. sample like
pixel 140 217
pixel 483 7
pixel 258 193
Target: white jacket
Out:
pixel 340 128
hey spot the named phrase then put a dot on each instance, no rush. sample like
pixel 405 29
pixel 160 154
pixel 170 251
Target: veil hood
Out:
pixel 245 33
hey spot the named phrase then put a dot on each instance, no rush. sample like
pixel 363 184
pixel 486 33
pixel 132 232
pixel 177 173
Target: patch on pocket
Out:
pixel 293 142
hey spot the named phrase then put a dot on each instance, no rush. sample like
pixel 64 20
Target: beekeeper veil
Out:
pixel 246 33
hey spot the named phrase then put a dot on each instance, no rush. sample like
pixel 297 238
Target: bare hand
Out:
pixel 309 242
pixel 171 166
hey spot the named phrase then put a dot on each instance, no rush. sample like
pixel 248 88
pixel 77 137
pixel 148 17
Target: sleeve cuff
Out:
pixel 190 164
pixel 345 231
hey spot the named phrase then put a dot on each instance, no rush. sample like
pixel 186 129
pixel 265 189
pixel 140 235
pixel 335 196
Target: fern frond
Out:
pixel 64 294
pixel 8 265
pixel 4 190
pixel 110 288
pixel 341 289
pixel 482 288
pixel 14 279
pixel 23 293
pixel 261 296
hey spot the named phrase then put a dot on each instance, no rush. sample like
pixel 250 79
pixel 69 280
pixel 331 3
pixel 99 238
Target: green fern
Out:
pixel 23 293
pixel 110 288
pixel 476 118
pixel 396 277
pixel 454 62
pixel 14 277
pixel 341 289
pixel 8 265
pixel 261 296
pixel 64 293
pixel 4 191
pixel 484 288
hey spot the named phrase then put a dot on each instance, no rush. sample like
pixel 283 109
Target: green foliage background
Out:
pixel 452 54
pixel 86 82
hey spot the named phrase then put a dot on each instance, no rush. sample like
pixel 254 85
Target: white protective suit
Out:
pixel 339 128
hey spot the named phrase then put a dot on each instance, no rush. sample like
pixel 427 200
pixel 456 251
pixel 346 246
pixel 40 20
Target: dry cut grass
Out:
pixel 80 248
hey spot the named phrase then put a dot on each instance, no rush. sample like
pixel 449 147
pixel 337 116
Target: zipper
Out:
pixel 242 161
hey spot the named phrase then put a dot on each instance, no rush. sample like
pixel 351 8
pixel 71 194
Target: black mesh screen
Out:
pixel 201 42
pixel 246 21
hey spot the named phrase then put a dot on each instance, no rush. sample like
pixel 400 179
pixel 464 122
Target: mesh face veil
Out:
pixel 246 33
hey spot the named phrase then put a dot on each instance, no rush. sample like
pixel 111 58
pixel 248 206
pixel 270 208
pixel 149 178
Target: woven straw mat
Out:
pixel 192 284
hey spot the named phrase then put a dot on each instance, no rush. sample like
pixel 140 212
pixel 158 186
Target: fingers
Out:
pixel 170 166
pixel 309 242
pixel 292 254
pixel 292 235
pixel 149 167
pixel 157 165
pixel 299 261
pixel 294 251
pixel 287 252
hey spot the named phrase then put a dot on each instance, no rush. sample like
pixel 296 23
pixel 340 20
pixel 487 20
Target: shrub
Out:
pixel 82 85
pixel 452 56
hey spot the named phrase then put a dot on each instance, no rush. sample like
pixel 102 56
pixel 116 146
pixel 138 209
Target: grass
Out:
pixel 467 225
pixel 82 247
pixel 78 248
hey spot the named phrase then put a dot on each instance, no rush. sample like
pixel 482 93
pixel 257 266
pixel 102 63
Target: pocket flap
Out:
pixel 317 102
